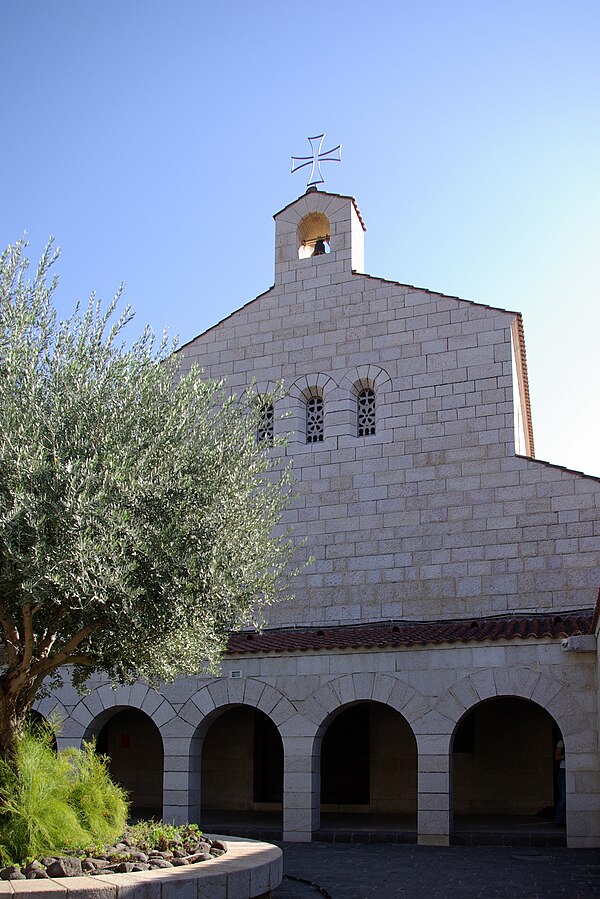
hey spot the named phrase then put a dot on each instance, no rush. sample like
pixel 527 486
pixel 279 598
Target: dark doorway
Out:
pixel 503 777
pixel 346 759
pixel 242 774
pixel 368 774
pixel 133 745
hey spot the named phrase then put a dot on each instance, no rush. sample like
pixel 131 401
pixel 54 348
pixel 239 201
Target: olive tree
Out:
pixel 138 513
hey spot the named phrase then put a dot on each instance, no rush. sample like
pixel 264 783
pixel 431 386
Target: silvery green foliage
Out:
pixel 137 510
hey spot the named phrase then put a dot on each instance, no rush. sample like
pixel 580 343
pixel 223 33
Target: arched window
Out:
pixel 313 235
pixel 315 419
pixel 264 431
pixel 365 412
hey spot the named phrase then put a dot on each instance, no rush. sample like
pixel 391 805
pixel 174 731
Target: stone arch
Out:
pixel 313 235
pixel 354 382
pixel 364 687
pixel 364 750
pixel 522 682
pixel 243 691
pixel 100 701
pixel 219 697
pixel 562 704
pixel 367 376
pixel 50 708
pixel 92 716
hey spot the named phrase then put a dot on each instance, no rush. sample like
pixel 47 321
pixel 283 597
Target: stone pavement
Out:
pixel 391 871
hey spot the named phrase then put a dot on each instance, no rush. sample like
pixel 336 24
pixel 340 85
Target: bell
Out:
pixel 319 249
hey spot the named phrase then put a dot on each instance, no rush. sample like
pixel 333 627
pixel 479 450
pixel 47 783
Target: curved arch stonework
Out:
pixel 522 682
pixel 368 375
pixel 359 378
pixel 363 687
pixel 294 404
pixel 138 696
pixel 227 692
pixel 49 707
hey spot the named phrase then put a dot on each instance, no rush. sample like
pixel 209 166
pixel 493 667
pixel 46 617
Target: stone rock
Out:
pixel 12 872
pixel 219 844
pixel 179 862
pixel 125 868
pixel 94 864
pixel 34 866
pixel 141 866
pixel 200 856
pixel 160 863
pixel 69 866
pixel 138 856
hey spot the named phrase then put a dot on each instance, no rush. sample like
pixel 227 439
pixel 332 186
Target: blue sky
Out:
pixel 153 139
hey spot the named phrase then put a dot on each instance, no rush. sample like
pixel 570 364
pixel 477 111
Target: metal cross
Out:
pixel 318 156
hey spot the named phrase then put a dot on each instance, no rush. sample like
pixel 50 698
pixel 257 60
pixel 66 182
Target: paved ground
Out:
pixel 384 871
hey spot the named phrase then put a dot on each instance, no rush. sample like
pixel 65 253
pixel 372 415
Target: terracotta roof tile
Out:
pixel 412 633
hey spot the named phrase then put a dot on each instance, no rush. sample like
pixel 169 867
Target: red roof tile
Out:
pixel 412 633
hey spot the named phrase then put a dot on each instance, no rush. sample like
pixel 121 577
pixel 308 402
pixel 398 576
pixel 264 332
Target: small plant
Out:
pixel 148 835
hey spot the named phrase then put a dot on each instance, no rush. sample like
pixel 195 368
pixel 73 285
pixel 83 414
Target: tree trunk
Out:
pixel 17 695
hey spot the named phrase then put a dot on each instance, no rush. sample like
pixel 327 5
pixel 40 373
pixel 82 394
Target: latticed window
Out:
pixel 264 431
pixel 366 412
pixel 315 419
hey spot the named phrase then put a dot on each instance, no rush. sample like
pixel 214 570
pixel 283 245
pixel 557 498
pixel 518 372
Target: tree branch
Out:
pixel 84 660
pixel 11 636
pixel 63 657
pixel 27 634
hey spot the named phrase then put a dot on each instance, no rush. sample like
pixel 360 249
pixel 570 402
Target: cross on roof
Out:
pixel 318 156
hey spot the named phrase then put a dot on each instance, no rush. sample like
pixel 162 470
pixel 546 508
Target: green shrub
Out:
pixel 100 804
pixel 50 802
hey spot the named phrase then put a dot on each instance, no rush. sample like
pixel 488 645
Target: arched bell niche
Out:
pixel 314 235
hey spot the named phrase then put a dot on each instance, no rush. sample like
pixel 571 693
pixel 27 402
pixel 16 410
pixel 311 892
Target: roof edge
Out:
pixel 326 193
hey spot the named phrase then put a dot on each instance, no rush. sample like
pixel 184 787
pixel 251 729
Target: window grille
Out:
pixel 264 432
pixel 366 412
pixel 314 419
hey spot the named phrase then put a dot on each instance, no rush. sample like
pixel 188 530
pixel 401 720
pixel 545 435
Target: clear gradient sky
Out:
pixel 153 139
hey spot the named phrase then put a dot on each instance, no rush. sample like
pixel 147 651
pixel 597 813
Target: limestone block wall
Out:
pixel 433 516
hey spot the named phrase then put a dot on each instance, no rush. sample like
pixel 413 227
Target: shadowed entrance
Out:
pixel 134 748
pixel 242 774
pixel 368 774
pixel 504 775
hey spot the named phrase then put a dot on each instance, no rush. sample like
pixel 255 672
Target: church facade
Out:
pixel 444 639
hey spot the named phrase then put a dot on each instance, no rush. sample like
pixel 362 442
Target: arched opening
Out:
pixel 369 771
pixel 133 745
pixel 314 235
pixel 504 773
pixel 242 774
pixel 41 727
pixel 365 410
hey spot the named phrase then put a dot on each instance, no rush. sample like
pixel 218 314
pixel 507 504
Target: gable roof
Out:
pixel 326 193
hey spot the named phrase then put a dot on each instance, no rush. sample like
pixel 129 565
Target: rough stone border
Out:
pixel 248 870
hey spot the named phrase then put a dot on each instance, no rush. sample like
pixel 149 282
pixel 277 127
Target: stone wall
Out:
pixel 433 516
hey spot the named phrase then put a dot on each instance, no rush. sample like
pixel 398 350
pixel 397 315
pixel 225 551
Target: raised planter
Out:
pixel 248 870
